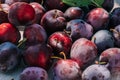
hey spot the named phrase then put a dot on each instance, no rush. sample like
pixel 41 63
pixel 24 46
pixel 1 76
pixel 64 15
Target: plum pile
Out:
pixel 61 40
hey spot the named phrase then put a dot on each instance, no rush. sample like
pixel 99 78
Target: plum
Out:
pixel 10 2
pixel 9 32
pixel 66 70
pixel 74 13
pixel 79 29
pixel 21 13
pixel 98 18
pixel 60 42
pixel 116 34
pixel 39 11
pixel 112 57
pixel 84 52
pixel 10 56
pixel 96 72
pixel 103 39
pixel 34 34
pixel 34 73
pixel 53 20
pixel 38 55
pixel 114 19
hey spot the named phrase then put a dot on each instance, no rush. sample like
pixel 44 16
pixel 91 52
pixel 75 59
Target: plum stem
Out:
pixel 55 57
pixel 113 30
pixel 67 32
pixel 62 53
pixel 93 39
pixel 101 63
pixel 21 42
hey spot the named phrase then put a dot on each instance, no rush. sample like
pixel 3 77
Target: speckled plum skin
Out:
pixel 34 73
pixel 66 70
pixel 116 34
pixel 96 72
pixel 98 18
pixel 79 29
pixel 84 51
pixel 112 57
pixel 103 39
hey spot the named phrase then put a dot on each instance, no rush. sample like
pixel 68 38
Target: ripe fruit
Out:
pixel 39 11
pixel 112 57
pixel 103 40
pixel 53 20
pixel 66 70
pixel 114 19
pixel 116 34
pixel 74 13
pixel 10 2
pixel 38 55
pixel 96 72
pixel 9 56
pixel 98 18
pixel 34 34
pixel 79 29
pixel 8 32
pixel 34 73
pixel 84 52
pixel 60 42
pixel 55 4
pixel 21 13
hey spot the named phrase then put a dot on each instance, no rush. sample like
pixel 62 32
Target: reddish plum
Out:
pixel 74 13
pixel 38 55
pixel 112 57
pixel 8 32
pixel 39 11
pixel 66 70
pixel 53 20
pixel 34 34
pixel 60 42
pixel 84 51
pixel 98 18
pixel 21 13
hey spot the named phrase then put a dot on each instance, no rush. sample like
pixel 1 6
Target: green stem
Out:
pixel 21 42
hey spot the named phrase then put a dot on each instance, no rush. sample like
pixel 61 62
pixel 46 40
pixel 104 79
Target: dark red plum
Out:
pixel 10 56
pixel 98 18
pixel 114 19
pixel 96 72
pixel 74 13
pixel 39 11
pixel 9 32
pixel 84 52
pixel 60 42
pixel 34 73
pixel 34 34
pixel 21 13
pixel 55 4
pixel 103 39
pixel 38 55
pixel 112 57
pixel 66 70
pixel 53 20
pixel 79 29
